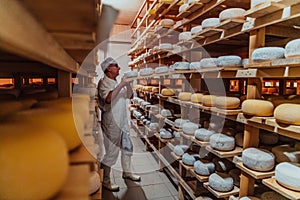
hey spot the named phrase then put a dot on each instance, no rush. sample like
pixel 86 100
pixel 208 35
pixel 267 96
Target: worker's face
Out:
pixel 114 69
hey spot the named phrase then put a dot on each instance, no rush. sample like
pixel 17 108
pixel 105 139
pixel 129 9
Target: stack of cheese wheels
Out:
pixel 257 107
pixel 208 100
pixel 184 96
pixel 167 92
pixel 268 53
pixel 130 74
pixel 34 162
pixel 227 102
pixel 258 159
pixel 232 13
pixel 220 182
pixel 222 142
pixel 197 97
pixel 210 23
pixel 204 169
pixel 292 49
pixel 208 63
pixel 183 7
pixel 61 121
pixel 288 175
pixel 166 23
pixel 288 113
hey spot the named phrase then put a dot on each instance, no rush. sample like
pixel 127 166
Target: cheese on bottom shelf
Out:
pixel 288 113
pixel 258 159
pixel 222 142
pixel 34 162
pixel 257 107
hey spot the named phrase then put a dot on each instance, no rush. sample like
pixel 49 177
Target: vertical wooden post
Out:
pixel 64 83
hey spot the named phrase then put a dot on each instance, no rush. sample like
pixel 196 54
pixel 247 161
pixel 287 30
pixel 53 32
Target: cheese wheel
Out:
pixel 166 23
pixel 164 134
pixel 34 162
pixel 184 96
pixel 208 62
pixel 178 123
pixel 183 7
pixel 210 23
pixel 166 113
pixel 288 113
pixel 203 134
pixel 257 107
pixel 227 102
pixel 185 36
pixel 130 74
pixel 162 69
pixel 179 150
pixel 229 61
pixel 267 53
pixel 181 66
pixel 292 48
pixel 208 100
pixel 284 153
pixel 146 71
pixel 155 89
pixel 222 142
pixel 288 175
pixel 167 92
pixel 94 182
pixel 271 195
pixel 232 13
pixel 166 46
pixel 195 65
pixel 220 182
pixel 197 97
pixel 196 30
pixel 188 159
pixel 190 128
pixel 204 169
pixel 258 159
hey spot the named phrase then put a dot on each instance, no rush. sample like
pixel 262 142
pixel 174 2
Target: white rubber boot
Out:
pixel 126 165
pixel 106 179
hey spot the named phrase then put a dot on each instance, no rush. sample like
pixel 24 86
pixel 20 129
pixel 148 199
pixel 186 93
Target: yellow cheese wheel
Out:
pixel 257 107
pixel 184 96
pixel 167 92
pixel 208 100
pixel 197 97
pixel 288 113
pixel 61 121
pixel 227 102
pixel 34 162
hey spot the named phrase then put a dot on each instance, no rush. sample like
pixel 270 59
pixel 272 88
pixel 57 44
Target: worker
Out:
pixel 112 98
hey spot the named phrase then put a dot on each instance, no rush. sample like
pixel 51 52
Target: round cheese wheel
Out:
pixel 196 30
pixel 283 153
pixel 239 139
pixel 208 100
pixel 288 113
pixel 197 97
pixel 146 71
pixel 204 169
pixel 222 142
pixel 245 61
pixel 166 113
pixel 229 61
pixel 183 7
pixel 190 128
pixel 288 175
pixel 271 195
pixel 258 159
pixel 185 36
pixel 195 65
pixel 184 96
pixel 203 134
pixel 292 48
pixel 267 53
pixel 210 22
pixel 227 102
pixel 166 46
pixel 155 89
pixel 34 162
pixel 220 182
pixel 181 66
pixel 130 74
pixel 232 13
pixel 257 107
pixel 166 23
pixel 167 92
pixel 154 126
pixel 164 134
pixel 179 122
pixel 162 69
pixel 179 150
pixel 94 182
pixel 188 159
pixel 208 62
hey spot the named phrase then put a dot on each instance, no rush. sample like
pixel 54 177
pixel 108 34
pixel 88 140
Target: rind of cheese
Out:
pixel 288 113
pixel 208 63
pixel 268 53
pixel 210 22
pixel 292 48
pixel 166 113
pixel 221 182
pixel 258 159
pixel 130 74
pixel 204 169
pixel 188 159
pixel 229 61
pixel 146 71
pixel 196 30
pixel 162 69
pixel 166 46
pixel 232 13
pixel 183 7
pixel 178 123
pixel 197 97
pixel 227 102
pixel 167 92
pixel 203 134
pixel 184 96
pixel 257 107
pixel 190 128
pixel 208 100
pixel 181 66
pixel 185 36
pixel 288 175
pixel 195 65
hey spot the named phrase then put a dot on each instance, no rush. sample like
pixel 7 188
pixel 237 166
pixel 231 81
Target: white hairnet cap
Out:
pixel 108 61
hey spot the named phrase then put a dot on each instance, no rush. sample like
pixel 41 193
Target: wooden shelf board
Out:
pixel 76 186
pixel 225 154
pixel 254 174
pixel 218 194
pixel 209 32
pixel 264 9
pixel 273 184
pixel 187 167
pixel 199 177
pixel 176 129
pixel 162 6
pixel 192 8
pixel 163 140
pixel 291 62
pixel 201 143
pixel 175 156
pixel 226 112
pixel 230 23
